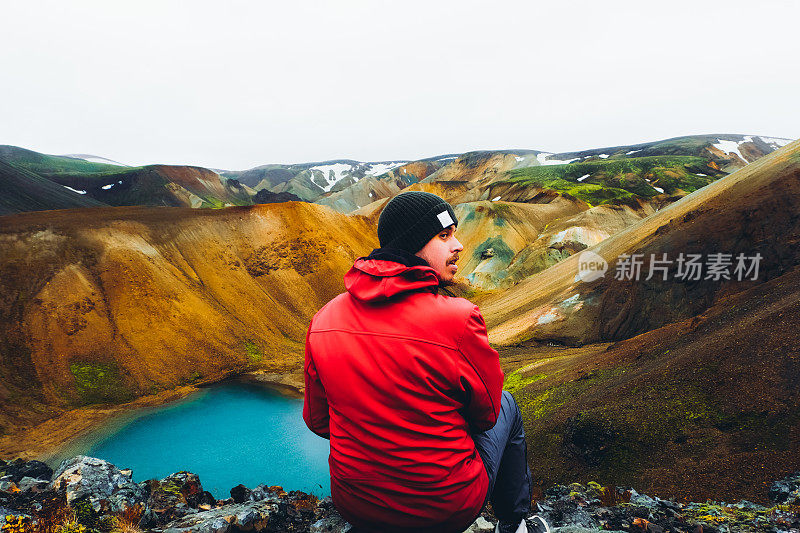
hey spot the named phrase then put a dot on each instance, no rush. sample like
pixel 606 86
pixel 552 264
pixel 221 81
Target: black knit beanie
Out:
pixel 411 219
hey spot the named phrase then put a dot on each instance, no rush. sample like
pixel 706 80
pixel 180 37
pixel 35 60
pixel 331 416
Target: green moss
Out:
pixel 254 353
pixel 84 513
pixel 99 383
pixel 71 527
pixel 516 381
pixel 617 178
pixel 211 202
pixel 171 487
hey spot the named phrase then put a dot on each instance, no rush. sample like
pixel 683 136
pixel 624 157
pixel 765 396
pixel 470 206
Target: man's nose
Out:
pixel 457 245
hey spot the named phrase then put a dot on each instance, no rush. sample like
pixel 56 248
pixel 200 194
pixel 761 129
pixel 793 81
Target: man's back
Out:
pixel 404 375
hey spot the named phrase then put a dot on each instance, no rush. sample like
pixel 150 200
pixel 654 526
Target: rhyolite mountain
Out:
pixel 679 382
pixel 673 167
pixel 682 389
pixel 108 304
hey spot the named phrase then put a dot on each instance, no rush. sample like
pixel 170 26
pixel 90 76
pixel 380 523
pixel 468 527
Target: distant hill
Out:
pixel 672 167
pixel 23 190
pixel 111 184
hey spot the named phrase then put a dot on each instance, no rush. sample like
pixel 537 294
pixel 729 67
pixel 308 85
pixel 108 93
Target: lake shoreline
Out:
pixel 57 438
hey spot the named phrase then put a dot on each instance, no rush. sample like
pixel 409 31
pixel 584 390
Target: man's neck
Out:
pixel 398 256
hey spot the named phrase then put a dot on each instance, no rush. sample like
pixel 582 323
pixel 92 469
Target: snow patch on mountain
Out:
pixel 775 142
pixel 74 190
pixel 376 169
pixel 332 173
pixel 732 146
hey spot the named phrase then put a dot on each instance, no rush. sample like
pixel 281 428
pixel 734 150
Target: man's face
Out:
pixel 441 253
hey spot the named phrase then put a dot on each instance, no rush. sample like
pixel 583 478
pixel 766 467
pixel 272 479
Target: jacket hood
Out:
pixel 386 272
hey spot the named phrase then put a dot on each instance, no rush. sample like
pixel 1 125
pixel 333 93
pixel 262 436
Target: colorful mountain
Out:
pixel 108 304
pixel 685 388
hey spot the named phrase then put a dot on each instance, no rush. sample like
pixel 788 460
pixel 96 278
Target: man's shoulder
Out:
pixel 454 304
pixel 438 308
pixel 336 303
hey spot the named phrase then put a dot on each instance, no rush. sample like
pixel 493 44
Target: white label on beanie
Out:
pixel 445 219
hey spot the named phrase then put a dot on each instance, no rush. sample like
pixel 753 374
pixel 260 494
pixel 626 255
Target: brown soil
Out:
pixel 705 408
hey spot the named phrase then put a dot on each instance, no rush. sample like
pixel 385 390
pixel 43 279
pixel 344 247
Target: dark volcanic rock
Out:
pixel 241 494
pixel 98 493
pixel 786 491
pixel 19 469
pixel 265 196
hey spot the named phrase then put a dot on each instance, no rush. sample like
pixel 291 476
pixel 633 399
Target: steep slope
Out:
pixel 494 264
pixel 494 233
pixel 311 181
pixel 751 211
pixel 107 304
pixel 698 397
pixel 366 191
pixel 705 408
pixel 22 190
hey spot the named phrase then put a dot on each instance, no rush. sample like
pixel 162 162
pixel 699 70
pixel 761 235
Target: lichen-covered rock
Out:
pixel 29 484
pixel 786 491
pixel 19 469
pixel 6 485
pixel 331 521
pixel 98 491
pixel 177 495
pixel 250 516
pixel 99 482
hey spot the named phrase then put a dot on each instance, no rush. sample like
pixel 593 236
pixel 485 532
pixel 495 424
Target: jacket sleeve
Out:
pixel 315 404
pixel 481 377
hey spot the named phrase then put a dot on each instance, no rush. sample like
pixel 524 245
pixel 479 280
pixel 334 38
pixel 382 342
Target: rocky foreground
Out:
pixel 87 495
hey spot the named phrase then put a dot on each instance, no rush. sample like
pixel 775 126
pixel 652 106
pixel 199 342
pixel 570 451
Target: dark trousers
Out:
pixel 504 454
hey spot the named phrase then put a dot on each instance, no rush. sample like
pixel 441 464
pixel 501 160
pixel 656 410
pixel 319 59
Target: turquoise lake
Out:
pixel 227 434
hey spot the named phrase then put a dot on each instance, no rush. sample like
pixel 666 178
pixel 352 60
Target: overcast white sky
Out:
pixel 237 84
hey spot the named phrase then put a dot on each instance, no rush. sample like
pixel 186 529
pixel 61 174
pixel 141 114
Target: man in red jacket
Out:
pixel 403 382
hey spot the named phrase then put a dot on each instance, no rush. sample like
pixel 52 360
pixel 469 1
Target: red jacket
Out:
pixel 398 377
